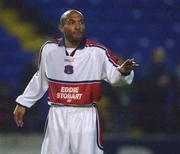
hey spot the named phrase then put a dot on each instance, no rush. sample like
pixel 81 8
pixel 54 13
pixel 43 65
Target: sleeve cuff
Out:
pixel 129 78
pixel 24 102
pixel 22 105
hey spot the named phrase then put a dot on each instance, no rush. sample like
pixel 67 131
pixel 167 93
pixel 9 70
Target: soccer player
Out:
pixel 71 69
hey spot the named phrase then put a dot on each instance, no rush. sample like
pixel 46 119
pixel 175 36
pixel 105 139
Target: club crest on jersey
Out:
pixel 68 69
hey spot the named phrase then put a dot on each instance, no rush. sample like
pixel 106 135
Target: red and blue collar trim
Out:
pixel 82 44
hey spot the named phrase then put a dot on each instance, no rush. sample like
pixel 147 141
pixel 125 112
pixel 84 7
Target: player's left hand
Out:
pixel 126 67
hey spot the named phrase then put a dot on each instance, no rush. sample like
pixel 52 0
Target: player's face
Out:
pixel 73 27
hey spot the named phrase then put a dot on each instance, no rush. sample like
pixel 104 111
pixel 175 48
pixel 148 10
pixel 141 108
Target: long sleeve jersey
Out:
pixel 72 80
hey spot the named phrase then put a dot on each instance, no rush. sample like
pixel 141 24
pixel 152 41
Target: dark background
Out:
pixel 140 116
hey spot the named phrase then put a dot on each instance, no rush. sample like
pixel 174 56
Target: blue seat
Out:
pixel 2 31
pixel 12 65
pixel 9 43
pixel 15 58
pixel 11 75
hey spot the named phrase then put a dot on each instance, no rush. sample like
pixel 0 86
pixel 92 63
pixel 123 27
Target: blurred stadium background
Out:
pixel 141 119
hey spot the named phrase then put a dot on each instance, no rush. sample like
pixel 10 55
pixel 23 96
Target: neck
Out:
pixel 71 44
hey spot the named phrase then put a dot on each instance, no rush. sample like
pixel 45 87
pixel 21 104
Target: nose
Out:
pixel 77 25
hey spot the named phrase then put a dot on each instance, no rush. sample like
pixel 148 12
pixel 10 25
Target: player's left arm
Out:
pixel 118 73
pixel 126 67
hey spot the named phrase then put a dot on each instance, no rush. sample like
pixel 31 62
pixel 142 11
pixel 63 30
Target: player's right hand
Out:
pixel 19 114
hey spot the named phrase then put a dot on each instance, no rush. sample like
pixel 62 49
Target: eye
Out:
pixel 81 22
pixel 70 22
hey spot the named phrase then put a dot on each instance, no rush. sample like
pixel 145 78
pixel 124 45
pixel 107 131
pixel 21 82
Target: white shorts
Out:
pixel 72 130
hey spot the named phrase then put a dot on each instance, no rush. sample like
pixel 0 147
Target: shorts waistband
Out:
pixel 72 105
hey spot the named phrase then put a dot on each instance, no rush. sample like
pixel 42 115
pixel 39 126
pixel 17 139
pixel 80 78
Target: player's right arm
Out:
pixel 36 88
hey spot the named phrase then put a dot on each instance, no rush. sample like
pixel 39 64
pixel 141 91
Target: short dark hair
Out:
pixel 63 16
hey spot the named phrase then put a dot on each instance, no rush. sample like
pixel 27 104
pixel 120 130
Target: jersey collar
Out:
pixel 81 45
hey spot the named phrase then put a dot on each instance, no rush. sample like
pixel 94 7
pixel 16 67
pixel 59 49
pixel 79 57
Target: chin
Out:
pixel 77 39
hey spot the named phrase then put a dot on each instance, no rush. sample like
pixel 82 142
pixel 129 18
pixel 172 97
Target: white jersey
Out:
pixel 72 80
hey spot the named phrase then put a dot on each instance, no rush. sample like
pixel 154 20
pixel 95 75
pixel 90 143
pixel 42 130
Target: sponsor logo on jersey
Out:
pixel 69 93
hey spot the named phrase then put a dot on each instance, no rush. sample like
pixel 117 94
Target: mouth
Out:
pixel 78 34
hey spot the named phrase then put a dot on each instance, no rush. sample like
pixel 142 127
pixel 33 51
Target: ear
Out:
pixel 61 28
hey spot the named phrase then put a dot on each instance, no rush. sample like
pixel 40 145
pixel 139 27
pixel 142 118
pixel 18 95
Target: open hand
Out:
pixel 126 67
